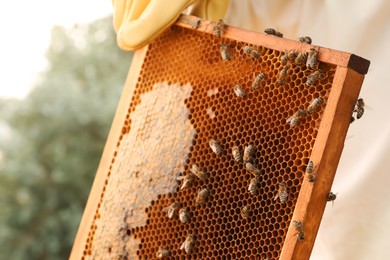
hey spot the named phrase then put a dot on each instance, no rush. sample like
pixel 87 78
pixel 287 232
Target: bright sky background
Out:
pixel 25 27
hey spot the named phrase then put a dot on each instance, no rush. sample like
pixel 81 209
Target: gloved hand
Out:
pixel 137 22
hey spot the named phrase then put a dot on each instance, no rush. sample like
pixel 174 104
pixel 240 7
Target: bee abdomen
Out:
pixel 253 186
pixel 202 197
pixel 246 212
pixel 252 169
pixel 239 91
pixel 184 215
pixel 236 154
pixel 162 252
pixel 215 147
pixel 249 153
pixel 219 27
pixel 189 244
pixel 225 54
pixel 283 197
pixel 173 209
pixel 314 105
pixel 257 81
pixel 305 39
pixel 331 196
pixel 273 32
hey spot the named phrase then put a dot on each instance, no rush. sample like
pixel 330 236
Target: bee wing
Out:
pixel 368 107
pixel 315 168
pixel 308 61
pixel 276 196
pixel 165 209
pixel 185 184
pixel 198 174
pixel 171 212
pixel 349 137
pixel 185 181
pixel 288 120
pixel 183 245
pixel 334 199
pixel 193 169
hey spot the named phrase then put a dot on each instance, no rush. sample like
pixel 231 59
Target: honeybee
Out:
pixel 283 75
pixel 301 58
pixel 215 146
pixel 252 169
pixel 187 180
pixel 236 154
pixel 239 91
pixel 248 49
pixel 315 105
pixel 299 228
pixel 284 58
pixel 305 39
pixel 255 54
pixel 202 197
pixel 253 186
pixel 246 212
pixel 313 77
pixel 173 209
pixel 162 252
pixel 331 197
pixel 257 81
pixel 310 171
pixel 198 172
pixel 219 27
pixel 292 55
pixel 312 59
pixel 249 153
pixel 271 31
pixel 225 54
pixel 359 108
pixel 295 119
pixel 282 193
pixel 251 52
pixel 184 215
pixel 189 244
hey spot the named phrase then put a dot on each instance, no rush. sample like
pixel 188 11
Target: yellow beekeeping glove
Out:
pixel 137 22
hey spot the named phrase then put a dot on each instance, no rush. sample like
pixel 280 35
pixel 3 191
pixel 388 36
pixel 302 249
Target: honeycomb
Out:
pixel 183 97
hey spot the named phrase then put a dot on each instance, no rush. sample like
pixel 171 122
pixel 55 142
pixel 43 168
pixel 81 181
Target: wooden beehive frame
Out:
pixel 326 152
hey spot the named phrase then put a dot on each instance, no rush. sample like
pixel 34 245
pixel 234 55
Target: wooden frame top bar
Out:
pixel 326 55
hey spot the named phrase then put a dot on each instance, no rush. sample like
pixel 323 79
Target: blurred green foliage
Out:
pixel 51 142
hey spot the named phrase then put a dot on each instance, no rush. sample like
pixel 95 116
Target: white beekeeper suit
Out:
pixel 358 225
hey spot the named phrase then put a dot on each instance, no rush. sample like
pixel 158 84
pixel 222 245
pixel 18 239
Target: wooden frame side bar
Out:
pixel 326 155
pixel 109 149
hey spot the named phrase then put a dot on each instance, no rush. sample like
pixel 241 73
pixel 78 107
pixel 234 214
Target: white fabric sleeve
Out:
pixel 358 225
